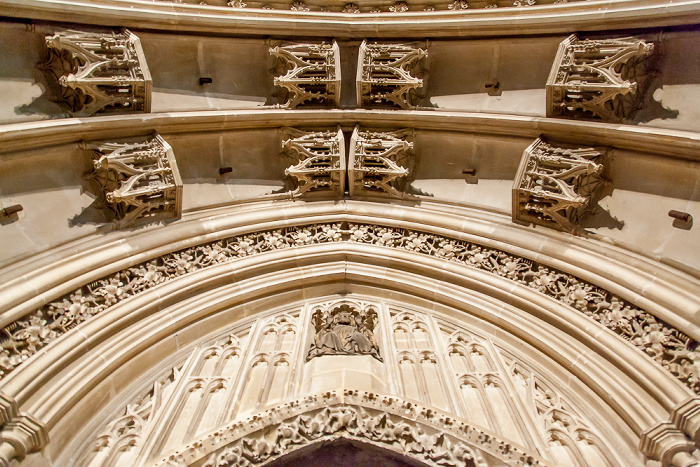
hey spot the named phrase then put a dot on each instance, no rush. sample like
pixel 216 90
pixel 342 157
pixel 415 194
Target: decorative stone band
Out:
pixel 388 422
pixel 668 346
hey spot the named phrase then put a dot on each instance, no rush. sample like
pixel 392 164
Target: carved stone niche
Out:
pixel 554 186
pixel 386 74
pixel 99 73
pixel 344 329
pixel 597 79
pixel 311 73
pixel 318 162
pixel 378 163
pixel 136 181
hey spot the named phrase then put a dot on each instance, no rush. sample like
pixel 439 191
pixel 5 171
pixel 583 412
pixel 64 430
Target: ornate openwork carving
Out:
pixel 666 345
pixel 344 330
pixel 597 78
pixel 554 186
pixel 318 161
pixel 378 163
pixel 99 72
pixel 311 73
pixel 136 181
pixel 388 422
pixel 386 74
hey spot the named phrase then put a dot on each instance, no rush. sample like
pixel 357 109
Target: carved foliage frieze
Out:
pixel 597 78
pixel 388 422
pixel 379 163
pixel 317 162
pixel 310 73
pixel 344 329
pixel 555 187
pixel 387 74
pixel 99 72
pixel 136 180
pixel 668 346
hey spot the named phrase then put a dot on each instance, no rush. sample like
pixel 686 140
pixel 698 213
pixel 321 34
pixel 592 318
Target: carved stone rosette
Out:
pixel 554 186
pixel 318 162
pixel 105 73
pixel 377 163
pixel 386 74
pixel 136 181
pixel 312 73
pixel 597 78
pixel 344 330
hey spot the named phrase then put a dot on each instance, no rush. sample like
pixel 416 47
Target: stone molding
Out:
pixel 672 143
pixel 108 72
pixel 669 347
pixel 493 22
pixel 388 422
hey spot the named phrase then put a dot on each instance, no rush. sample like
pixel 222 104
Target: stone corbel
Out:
pixel 21 436
pixel 686 416
pixel 667 444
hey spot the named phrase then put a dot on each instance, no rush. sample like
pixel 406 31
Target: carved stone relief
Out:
pixel 344 330
pixel 597 78
pixel 99 72
pixel 554 187
pixel 318 162
pixel 137 181
pixel 666 345
pixel 379 163
pixel 386 74
pixel 311 73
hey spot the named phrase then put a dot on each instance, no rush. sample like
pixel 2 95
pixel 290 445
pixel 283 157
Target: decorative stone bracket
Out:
pixel 136 180
pixel 377 165
pixel 597 78
pixel 105 73
pixel 312 73
pixel 554 186
pixel 386 74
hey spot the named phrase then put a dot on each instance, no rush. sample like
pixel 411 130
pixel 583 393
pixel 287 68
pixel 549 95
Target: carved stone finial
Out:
pixel 105 73
pixel 597 78
pixel 385 74
pixel 377 163
pixel 344 330
pixel 312 73
pixel 318 161
pixel 554 186
pixel 137 180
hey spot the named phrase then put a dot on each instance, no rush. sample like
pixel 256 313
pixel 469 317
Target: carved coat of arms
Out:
pixel 344 330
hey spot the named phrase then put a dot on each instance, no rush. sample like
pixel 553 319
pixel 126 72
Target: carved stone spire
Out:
pixel 137 180
pixel 318 161
pixel 386 74
pixel 104 73
pixel 312 73
pixel 597 78
pixel 377 163
pixel 554 186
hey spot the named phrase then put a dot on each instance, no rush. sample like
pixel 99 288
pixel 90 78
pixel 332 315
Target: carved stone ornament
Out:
pixel 344 330
pixel 311 73
pixel 666 345
pixel 105 73
pixel 318 162
pixel 554 186
pixel 597 78
pixel 417 432
pixel 378 163
pixel 386 74
pixel 136 180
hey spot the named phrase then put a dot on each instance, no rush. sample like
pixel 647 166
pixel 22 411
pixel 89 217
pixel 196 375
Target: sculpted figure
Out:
pixel 344 331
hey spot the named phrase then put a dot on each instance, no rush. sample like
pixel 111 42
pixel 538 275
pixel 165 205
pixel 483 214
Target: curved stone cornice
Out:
pixel 421 433
pixel 15 138
pixel 549 19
